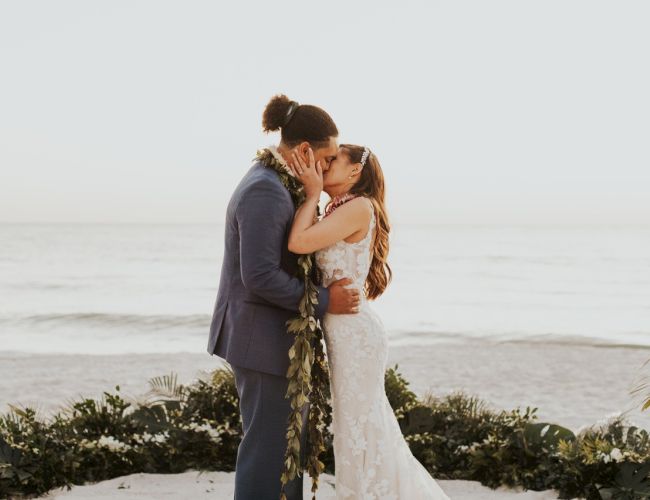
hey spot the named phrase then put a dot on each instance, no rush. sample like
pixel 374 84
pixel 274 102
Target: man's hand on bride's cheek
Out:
pixel 310 173
pixel 343 300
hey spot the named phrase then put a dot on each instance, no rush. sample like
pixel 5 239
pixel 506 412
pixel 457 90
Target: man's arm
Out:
pixel 262 214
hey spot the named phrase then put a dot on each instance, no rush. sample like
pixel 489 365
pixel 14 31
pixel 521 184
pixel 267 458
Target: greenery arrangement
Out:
pixel 308 373
pixel 175 428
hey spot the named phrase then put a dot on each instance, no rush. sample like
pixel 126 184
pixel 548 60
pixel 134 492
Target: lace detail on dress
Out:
pixel 372 458
pixel 347 260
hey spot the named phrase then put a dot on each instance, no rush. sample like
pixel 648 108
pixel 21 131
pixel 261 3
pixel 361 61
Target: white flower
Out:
pixel 616 455
pixel 215 434
pixel 151 438
pixel 112 444
pixel 160 438
pixel 85 443
pixel 464 448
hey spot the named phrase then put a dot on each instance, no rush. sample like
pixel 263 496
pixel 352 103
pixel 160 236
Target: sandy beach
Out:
pixel 572 385
pixel 220 486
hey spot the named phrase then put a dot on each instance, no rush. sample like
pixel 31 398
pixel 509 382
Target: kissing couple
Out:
pixel 292 280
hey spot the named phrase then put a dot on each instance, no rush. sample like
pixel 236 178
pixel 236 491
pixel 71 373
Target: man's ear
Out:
pixel 303 151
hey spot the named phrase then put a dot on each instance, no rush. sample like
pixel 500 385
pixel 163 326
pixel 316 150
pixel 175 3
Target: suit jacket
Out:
pixel 258 291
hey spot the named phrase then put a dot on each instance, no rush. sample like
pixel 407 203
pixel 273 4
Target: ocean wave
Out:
pixel 636 340
pixel 146 321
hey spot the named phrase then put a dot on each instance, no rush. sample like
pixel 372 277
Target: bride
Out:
pixel 372 458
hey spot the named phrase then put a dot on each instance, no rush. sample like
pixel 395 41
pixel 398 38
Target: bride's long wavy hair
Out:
pixel 371 185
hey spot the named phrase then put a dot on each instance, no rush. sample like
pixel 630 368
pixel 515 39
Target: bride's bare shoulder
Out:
pixel 356 212
pixel 361 205
pixel 360 211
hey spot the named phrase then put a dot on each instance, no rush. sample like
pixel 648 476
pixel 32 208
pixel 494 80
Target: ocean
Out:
pixel 134 288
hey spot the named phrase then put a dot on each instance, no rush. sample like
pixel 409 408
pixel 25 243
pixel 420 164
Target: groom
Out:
pixel 258 293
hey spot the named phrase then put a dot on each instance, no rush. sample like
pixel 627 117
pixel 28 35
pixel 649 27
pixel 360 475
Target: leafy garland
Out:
pixel 308 371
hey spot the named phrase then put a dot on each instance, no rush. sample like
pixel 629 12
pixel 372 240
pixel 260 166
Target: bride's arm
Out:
pixel 307 237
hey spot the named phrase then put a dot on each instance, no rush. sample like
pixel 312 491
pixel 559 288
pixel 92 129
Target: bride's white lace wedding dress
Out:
pixel 371 457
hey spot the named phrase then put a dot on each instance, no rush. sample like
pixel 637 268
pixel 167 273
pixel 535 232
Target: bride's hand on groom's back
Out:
pixel 343 300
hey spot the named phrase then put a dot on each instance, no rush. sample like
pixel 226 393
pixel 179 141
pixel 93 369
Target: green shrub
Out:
pixel 178 427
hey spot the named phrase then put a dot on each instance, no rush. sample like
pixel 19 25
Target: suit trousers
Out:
pixel 260 456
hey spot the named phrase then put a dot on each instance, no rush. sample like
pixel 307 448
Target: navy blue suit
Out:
pixel 258 293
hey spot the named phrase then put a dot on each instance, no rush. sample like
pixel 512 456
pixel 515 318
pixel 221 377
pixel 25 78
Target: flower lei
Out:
pixel 308 371
pixel 337 201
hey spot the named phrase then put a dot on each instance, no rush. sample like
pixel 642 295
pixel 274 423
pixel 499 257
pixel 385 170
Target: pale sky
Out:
pixel 480 112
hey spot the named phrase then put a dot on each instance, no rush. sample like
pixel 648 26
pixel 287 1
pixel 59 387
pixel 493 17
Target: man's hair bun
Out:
pixel 275 113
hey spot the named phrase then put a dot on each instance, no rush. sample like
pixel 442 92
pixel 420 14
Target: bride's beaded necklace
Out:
pixel 337 201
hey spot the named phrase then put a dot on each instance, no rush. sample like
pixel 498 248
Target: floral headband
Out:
pixel 364 156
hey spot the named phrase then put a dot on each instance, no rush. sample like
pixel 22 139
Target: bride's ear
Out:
pixel 357 168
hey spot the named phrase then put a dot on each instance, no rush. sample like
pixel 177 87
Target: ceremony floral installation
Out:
pixel 174 428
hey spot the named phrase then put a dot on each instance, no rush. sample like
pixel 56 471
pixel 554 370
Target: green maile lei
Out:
pixel 308 372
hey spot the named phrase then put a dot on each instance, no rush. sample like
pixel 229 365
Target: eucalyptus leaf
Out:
pixel 302 378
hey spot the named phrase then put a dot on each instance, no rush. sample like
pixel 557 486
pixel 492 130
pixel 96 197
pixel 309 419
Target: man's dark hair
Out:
pixel 298 122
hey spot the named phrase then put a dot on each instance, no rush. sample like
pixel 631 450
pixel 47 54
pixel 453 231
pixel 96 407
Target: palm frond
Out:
pixel 643 386
pixel 165 388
